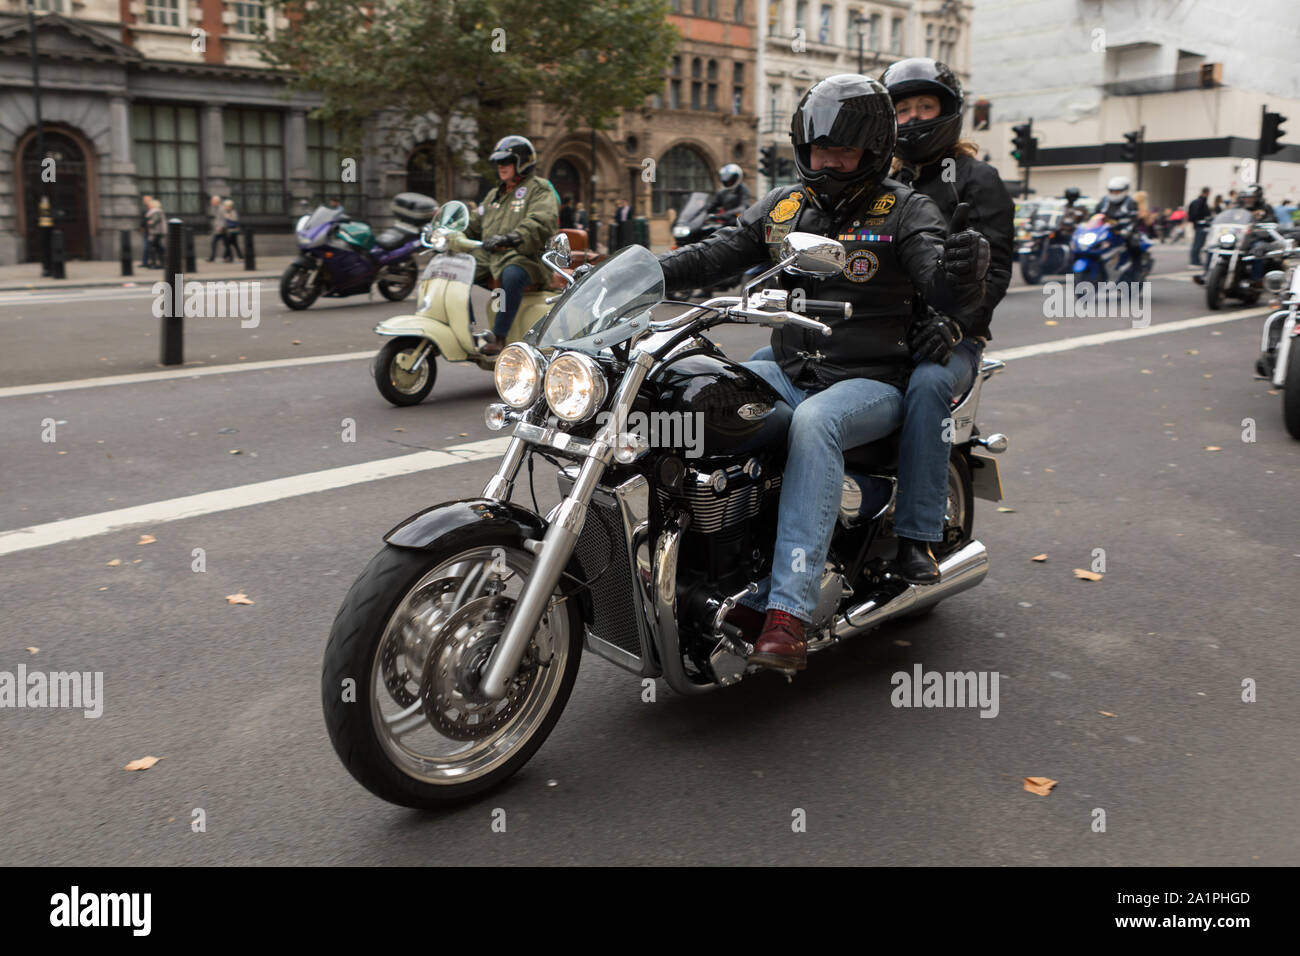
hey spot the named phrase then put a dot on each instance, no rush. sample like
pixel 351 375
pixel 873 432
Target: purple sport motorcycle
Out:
pixel 338 256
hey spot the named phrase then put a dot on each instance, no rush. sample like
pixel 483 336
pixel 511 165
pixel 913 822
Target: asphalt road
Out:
pixel 1108 450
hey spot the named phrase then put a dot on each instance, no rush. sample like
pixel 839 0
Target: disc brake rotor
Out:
pixel 407 648
pixel 450 679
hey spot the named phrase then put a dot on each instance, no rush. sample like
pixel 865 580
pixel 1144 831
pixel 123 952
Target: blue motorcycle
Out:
pixel 1101 255
pixel 340 257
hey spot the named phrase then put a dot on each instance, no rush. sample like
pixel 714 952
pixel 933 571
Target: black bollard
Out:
pixel 250 260
pixel 613 238
pixel 56 255
pixel 189 250
pixel 173 323
pixel 125 246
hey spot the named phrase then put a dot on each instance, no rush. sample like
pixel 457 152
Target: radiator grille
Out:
pixel 601 543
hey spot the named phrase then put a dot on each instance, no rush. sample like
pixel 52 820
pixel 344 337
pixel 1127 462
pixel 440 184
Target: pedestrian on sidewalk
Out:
pixel 230 225
pixel 218 218
pixel 1198 212
pixel 145 206
pixel 157 228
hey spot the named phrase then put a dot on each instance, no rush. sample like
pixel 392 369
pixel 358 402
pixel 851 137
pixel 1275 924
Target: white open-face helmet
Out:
pixel 730 174
pixel 1117 184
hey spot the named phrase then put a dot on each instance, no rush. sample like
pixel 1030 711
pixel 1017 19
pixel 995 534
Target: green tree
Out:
pixel 471 65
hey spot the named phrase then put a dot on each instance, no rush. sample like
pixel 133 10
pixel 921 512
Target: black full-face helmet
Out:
pixel 843 110
pixel 1252 197
pixel 515 148
pixel 1072 194
pixel 923 141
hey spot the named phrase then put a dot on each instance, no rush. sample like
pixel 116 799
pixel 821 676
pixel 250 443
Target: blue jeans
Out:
pixel 514 279
pixel 851 412
pixel 923 452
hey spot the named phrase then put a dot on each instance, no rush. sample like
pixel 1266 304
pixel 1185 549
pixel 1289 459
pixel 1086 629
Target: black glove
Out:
pixel 507 241
pixel 933 338
pixel 965 251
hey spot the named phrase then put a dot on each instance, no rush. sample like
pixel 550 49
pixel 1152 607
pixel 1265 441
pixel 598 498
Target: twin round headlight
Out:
pixel 574 384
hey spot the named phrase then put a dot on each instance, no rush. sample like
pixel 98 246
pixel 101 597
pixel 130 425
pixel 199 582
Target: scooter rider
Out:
pixel 847 388
pixel 932 156
pixel 519 215
pixel 734 197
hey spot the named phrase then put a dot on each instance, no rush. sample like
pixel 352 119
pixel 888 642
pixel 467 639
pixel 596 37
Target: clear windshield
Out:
pixel 695 208
pixel 610 304
pixel 1235 216
pixel 320 217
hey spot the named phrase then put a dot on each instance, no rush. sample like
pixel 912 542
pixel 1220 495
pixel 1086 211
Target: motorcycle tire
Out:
pixel 1291 395
pixel 1214 286
pixel 1031 270
pixel 403 278
pixel 1250 298
pixel 401 388
pixel 381 630
pixel 294 289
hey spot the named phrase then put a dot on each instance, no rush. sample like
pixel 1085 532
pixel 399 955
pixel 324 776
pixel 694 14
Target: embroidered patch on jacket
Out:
pixel 521 192
pixel 861 266
pixel 786 209
pixel 876 221
pixel 862 235
pixel 882 205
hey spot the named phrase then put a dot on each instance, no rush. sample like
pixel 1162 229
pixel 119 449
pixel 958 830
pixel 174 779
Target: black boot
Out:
pixel 916 565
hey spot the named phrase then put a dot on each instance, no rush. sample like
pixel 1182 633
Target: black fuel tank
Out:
pixel 712 407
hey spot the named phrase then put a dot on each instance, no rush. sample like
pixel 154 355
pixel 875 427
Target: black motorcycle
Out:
pixel 456 649
pixel 1241 251
pixel 695 222
pixel 1046 250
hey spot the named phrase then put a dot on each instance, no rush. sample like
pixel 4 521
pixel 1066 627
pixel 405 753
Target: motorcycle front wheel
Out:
pixel 1031 269
pixel 403 663
pixel 297 290
pixel 396 281
pixel 1291 397
pixel 1214 286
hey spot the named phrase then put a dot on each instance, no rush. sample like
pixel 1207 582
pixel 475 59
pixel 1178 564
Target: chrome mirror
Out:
pixel 1275 281
pixel 453 217
pixel 812 255
pixel 558 248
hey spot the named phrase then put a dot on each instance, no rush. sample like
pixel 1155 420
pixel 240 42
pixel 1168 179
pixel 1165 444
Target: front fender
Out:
pixel 443 338
pixel 459 523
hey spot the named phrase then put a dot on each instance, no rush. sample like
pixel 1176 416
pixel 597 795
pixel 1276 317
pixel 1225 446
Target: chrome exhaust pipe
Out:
pixel 957 572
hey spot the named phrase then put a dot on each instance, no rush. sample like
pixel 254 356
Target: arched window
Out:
pixel 680 172
pixel 421 173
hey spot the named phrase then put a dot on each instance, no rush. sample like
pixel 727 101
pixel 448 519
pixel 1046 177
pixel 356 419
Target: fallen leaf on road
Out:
pixel 462 434
pixel 114 563
pixel 1216 333
pixel 146 539
pixel 235 451
pixel 1039 557
pixel 1274 391
pixel 1105 713
pixel 144 763
pixel 399 429
pixel 240 598
pixel 1039 785
pixel 1006 510
pixel 103 589
pixel 1147 371
pixel 32 650
pixel 1213 448
pixel 63 453
pixel 1192 351
pixel 296 342
pixel 1051 322
pixel 1208 375
pixel 1169 424
pixel 1052 470
pixel 1087 575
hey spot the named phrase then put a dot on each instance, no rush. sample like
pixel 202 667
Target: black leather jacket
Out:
pixel 894 240
pixel 991 214
pixel 732 199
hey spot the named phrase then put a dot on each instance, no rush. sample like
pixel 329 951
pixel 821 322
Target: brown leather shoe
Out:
pixel 748 620
pixel 492 348
pixel 781 645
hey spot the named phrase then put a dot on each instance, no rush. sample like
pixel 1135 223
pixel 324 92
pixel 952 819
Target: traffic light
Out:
pixel 1128 150
pixel 1024 147
pixel 1270 134
pixel 767 162
pixel 785 168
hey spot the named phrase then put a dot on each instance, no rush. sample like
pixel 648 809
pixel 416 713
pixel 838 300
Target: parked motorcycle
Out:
pixel 1281 331
pixel 404 369
pixel 1241 251
pixel 339 256
pixel 1101 254
pixel 456 649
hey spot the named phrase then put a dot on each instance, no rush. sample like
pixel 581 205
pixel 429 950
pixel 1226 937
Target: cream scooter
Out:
pixel 404 369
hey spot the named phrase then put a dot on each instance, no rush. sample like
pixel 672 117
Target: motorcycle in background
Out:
pixel 455 651
pixel 1101 254
pixel 695 222
pixel 339 256
pixel 1240 251
pixel 1281 330
pixel 1044 246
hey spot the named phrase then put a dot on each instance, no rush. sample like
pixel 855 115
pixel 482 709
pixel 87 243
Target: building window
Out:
pixel 325 161
pixel 773 101
pixel 166 152
pixel 713 9
pixel 929 40
pixel 875 32
pixel 255 158
pixel 675 94
pixel 680 172
pixel 801 16
pixel 51 6
pixel 737 87
pixel 896 35
pixel 773 17
pixel 697 8
pixel 163 13
pixel 677 6
pixel 711 91
pixel 824 24
pixel 739 13
pixel 248 16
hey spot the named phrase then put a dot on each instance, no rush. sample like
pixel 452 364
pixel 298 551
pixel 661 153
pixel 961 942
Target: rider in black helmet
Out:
pixel 734 197
pixel 847 389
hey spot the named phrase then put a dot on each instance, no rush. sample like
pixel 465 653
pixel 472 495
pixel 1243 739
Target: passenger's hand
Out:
pixel 965 251
pixel 933 338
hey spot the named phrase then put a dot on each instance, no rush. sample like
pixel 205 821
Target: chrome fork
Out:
pixel 562 535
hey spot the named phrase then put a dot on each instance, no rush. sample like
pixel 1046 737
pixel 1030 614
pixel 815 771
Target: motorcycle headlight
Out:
pixel 1087 239
pixel 1227 239
pixel 439 242
pixel 301 224
pixel 519 374
pixel 575 386
pixel 680 232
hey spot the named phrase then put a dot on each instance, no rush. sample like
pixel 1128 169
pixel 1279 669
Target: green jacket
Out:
pixel 532 209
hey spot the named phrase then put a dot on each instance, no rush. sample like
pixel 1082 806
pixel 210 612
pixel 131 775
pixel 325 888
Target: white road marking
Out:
pixel 243 496
pixel 1119 335
pixel 136 378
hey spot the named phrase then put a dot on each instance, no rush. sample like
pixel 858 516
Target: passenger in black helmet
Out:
pixel 933 157
pixel 518 216
pixel 846 389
